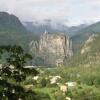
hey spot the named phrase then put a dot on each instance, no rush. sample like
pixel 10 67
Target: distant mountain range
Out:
pixel 53 27
pixel 39 28
pixel 81 30
pixel 12 31
pixel 79 34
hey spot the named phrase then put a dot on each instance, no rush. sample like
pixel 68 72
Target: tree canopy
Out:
pixel 12 72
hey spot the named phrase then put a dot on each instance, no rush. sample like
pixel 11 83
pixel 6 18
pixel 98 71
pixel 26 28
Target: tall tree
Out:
pixel 13 69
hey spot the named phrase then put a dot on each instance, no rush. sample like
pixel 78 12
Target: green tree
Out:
pixel 13 72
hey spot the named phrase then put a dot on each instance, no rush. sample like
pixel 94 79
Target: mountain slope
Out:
pixel 89 55
pixel 10 23
pixel 83 34
pixel 13 32
pixel 11 29
pixel 91 28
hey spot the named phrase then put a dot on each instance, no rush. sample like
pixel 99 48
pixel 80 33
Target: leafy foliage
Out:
pixel 13 69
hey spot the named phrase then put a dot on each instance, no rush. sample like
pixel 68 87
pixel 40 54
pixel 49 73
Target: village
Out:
pixel 52 81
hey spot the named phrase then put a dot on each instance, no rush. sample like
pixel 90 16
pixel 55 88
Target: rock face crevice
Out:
pixel 54 48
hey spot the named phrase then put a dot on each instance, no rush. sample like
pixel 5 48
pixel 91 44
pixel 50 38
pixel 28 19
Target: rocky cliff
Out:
pixel 89 55
pixel 53 48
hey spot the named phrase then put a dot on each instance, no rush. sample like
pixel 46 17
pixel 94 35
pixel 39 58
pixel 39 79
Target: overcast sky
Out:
pixel 71 12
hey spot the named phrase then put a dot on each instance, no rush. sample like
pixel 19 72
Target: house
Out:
pixel 67 98
pixel 54 79
pixel 71 84
pixel 35 78
pixel 63 88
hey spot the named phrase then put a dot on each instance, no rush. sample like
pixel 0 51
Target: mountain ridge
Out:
pixel 52 27
pixel 11 23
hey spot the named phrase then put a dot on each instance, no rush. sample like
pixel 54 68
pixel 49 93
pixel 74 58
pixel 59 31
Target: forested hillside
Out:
pixel 13 32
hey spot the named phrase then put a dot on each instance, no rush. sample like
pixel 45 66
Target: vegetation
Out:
pixel 84 69
pixel 90 58
pixel 13 72
pixel 18 82
pixel 13 32
pixel 83 34
pixel 10 23
pixel 87 79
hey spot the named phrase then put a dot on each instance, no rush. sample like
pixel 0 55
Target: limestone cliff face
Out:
pixel 54 48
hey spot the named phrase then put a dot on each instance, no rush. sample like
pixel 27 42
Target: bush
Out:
pixel 38 96
pixel 59 95
pixel 43 82
pixel 86 93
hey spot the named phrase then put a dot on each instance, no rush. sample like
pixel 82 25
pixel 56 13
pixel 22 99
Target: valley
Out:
pixel 42 62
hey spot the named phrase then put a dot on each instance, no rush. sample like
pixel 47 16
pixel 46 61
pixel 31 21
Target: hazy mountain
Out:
pixel 12 31
pixel 52 27
pixel 39 27
pixel 83 34
pixel 10 23
pixel 73 30
pixel 87 31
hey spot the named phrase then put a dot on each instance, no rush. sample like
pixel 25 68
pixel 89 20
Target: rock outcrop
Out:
pixel 87 47
pixel 53 48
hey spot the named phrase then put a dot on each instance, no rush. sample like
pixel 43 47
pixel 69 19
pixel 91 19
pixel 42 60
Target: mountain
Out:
pixel 10 23
pixel 83 34
pixel 89 54
pixel 51 49
pixel 38 27
pixel 73 30
pixel 87 31
pixel 12 31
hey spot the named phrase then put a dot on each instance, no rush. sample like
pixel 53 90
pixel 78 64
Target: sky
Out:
pixel 68 12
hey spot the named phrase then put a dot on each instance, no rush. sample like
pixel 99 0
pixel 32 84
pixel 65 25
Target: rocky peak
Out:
pixel 54 48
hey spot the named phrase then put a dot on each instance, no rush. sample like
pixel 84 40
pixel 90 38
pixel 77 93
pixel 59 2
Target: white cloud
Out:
pixel 76 11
